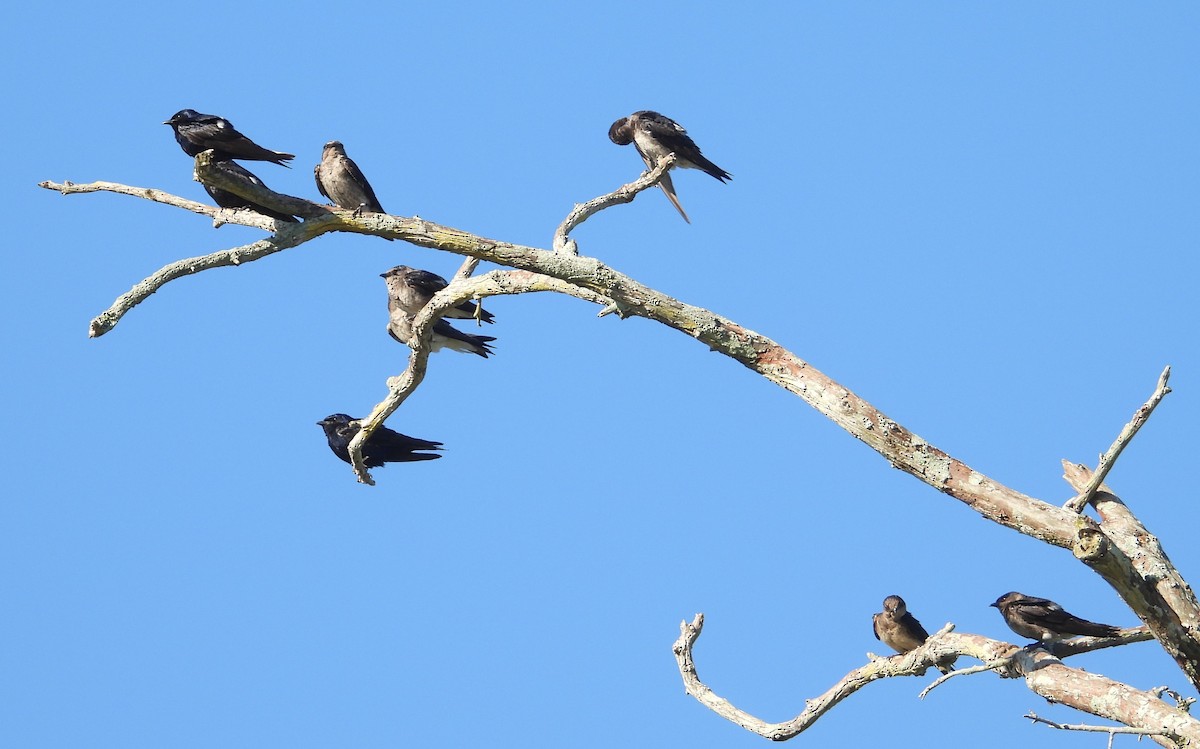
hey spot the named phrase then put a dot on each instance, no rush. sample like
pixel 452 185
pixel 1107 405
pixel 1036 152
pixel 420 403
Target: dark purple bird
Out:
pixel 384 446
pixel 198 132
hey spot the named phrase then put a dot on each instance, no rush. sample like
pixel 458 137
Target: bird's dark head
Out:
pixel 335 146
pixel 1006 599
pixel 398 271
pixel 621 132
pixel 334 421
pixel 894 605
pixel 182 116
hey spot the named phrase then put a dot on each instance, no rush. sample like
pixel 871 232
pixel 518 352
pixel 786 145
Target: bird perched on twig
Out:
pixel 445 335
pixel 412 288
pixel 226 199
pixel 198 132
pixel 340 180
pixel 900 630
pixel 1044 620
pixel 655 135
pixel 383 446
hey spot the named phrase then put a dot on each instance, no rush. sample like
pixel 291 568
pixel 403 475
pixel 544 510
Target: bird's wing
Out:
pixel 320 185
pixel 425 282
pixel 668 187
pixel 361 180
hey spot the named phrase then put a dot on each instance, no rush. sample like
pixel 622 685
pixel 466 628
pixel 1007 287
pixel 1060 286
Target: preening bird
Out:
pixel 655 135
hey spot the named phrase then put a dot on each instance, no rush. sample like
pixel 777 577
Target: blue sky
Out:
pixel 980 217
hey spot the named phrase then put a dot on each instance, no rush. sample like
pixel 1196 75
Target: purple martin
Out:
pixel 1044 620
pixel 384 446
pixel 226 199
pixel 411 289
pixel 900 630
pixel 198 132
pixel 444 335
pixel 340 180
pixel 655 135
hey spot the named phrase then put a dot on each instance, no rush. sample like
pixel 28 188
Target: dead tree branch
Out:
pixel 1044 674
pixel 1108 459
pixel 623 194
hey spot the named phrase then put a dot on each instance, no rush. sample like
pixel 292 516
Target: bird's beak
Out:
pixel 994 605
pixel 166 122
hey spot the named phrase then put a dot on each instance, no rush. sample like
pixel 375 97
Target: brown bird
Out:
pixel 655 135
pixel 901 631
pixel 412 288
pixel 340 180
pixel 1044 620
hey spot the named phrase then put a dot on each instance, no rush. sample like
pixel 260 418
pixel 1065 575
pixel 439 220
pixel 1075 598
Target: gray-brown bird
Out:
pixel 340 180
pixel 900 630
pixel 655 135
pixel 412 288
pixel 1044 620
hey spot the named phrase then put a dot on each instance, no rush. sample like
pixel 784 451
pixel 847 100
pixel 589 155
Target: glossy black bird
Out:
pixel 1044 620
pixel 384 446
pixel 227 199
pixel 900 630
pixel 340 180
pixel 198 132
pixel 655 135
pixel 444 335
pixel 411 289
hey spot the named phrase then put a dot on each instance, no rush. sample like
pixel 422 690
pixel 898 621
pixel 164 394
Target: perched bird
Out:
pixel 198 132
pixel 1044 620
pixel 226 199
pixel 384 446
pixel 444 335
pixel 340 180
pixel 655 135
pixel 411 289
pixel 901 631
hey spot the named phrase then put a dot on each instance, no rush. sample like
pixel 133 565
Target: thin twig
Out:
pixel 459 290
pixel 623 194
pixel 244 217
pixel 1077 503
pixel 1096 729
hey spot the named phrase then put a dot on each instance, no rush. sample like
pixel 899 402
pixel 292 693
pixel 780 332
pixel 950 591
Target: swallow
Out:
pixel 410 289
pixel 1044 620
pixel 227 199
pixel 340 180
pixel 900 630
pixel 384 446
pixel 444 335
pixel 655 135
pixel 198 132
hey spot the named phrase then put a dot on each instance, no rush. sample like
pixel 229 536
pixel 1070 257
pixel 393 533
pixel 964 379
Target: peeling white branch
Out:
pixel 1108 459
pixel 1044 674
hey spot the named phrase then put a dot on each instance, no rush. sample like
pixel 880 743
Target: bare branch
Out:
pixel 289 236
pixel 458 291
pixel 1133 562
pixel 219 215
pixel 623 194
pixel 1044 673
pixel 1096 729
pixel 1110 458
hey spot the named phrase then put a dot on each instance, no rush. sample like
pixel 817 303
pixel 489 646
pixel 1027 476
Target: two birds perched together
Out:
pixel 340 179
pixel 1037 618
